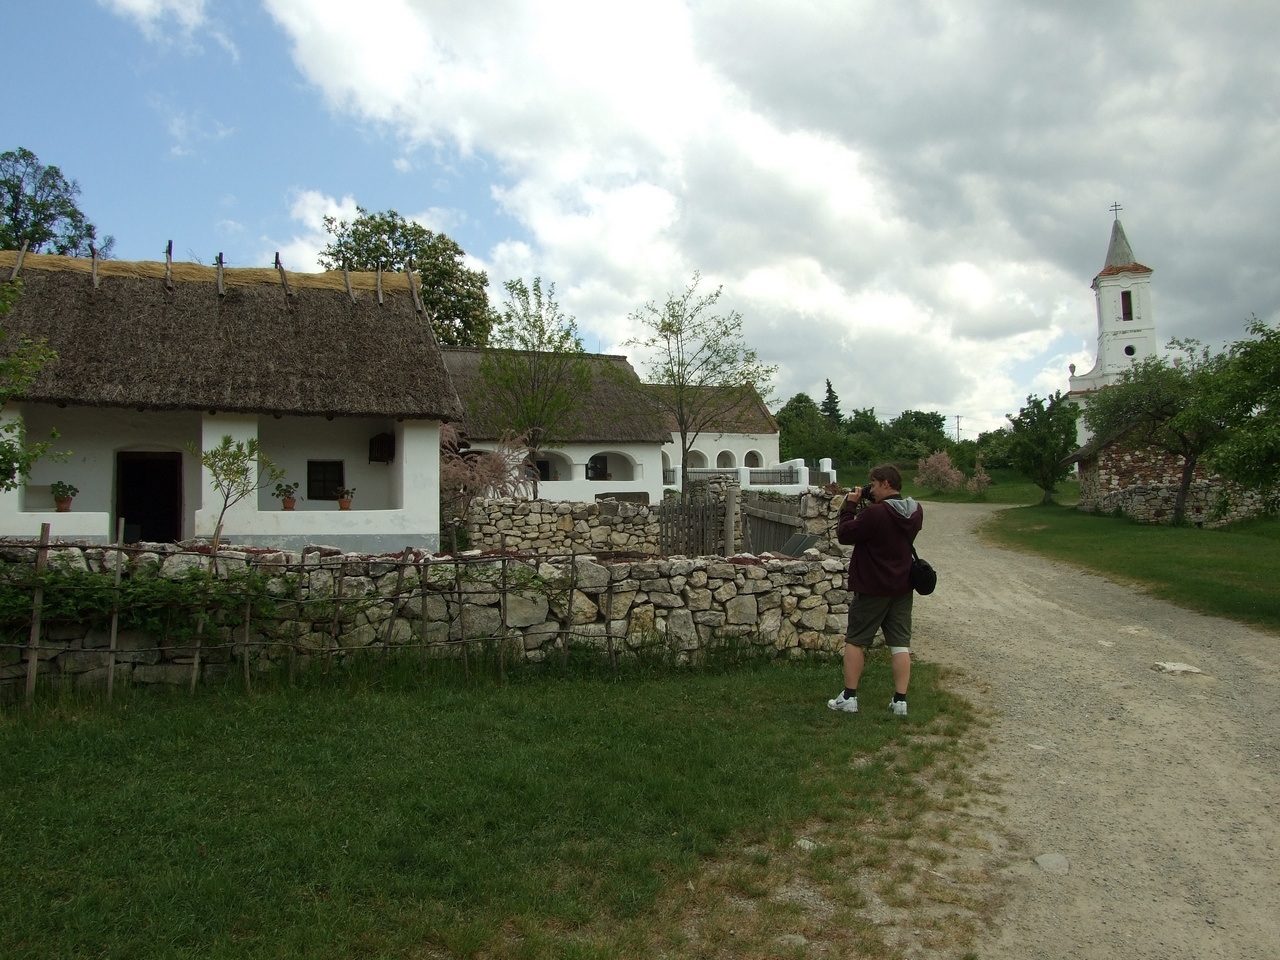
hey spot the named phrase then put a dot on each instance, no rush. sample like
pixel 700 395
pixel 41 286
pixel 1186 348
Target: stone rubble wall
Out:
pixel 1142 483
pixel 682 607
pixel 551 528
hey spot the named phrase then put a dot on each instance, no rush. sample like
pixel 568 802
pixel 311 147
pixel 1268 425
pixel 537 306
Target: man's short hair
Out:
pixel 888 473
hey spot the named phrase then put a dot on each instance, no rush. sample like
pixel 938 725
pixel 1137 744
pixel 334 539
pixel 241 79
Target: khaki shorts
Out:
pixel 868 614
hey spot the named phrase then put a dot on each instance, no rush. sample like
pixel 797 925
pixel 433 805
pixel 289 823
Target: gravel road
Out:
pixel 1161 790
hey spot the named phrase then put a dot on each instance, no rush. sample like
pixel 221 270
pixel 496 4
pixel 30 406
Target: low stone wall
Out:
pixel 323 603
pixel 1142 483
pixel 551 528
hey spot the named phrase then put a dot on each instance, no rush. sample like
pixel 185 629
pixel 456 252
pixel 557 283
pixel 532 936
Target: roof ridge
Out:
pixel 185 272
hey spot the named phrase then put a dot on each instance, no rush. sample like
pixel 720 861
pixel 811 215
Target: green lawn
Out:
pixel 1230 572
pixel 450 817
pixel 1007 486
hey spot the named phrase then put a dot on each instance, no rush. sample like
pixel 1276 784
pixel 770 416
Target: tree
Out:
pixel 21 359
pixel 916 433
pixel 454 295
pixel 1168 405
pixel 803 431
pixel 831 407
pixel 238 469
pixel 1246 395
pixel 467 475
pixel 38 207
pixel 534 370
pixel 701 364
pixel 1040 438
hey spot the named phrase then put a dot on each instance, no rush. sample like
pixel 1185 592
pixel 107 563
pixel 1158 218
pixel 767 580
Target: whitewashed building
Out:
pixel 1126 321
pixel 339 379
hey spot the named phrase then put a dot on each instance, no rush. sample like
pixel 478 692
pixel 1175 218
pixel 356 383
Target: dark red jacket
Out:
pixel 881 534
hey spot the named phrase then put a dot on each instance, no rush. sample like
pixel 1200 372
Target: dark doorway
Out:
pixel 149 496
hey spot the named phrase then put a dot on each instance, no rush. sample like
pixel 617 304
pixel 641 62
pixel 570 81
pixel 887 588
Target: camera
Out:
pixel 866 493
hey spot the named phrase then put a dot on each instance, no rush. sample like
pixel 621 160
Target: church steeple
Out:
pixel 1126 318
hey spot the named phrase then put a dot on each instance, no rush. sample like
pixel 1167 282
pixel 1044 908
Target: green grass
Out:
pixel 540 818
pixel 1230 572
pixel 1007 487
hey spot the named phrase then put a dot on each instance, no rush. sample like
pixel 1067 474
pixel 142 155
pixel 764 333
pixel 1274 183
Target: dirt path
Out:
pixel 1162 791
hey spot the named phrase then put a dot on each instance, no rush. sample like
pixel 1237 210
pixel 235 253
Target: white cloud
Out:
pixel 158 18
pixel 902 198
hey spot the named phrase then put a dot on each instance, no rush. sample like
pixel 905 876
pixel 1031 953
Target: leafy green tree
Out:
pixel 38 207
pixel 454 295
pixel 238 469
pixel 1041 436
pixel 1168 405
pixel 831 407
pixel 21 359
pixel 1246 395
pixel 701 361
pixel 916 433
pixel 534 370
pixel 995 447
pixel 802 429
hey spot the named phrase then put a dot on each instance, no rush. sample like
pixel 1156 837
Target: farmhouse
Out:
pixel 622 444
pixel 610 447
pixel 338 377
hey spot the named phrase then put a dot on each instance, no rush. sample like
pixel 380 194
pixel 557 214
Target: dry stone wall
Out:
pixel 1142 483
pixel 333 605
pixel 552 528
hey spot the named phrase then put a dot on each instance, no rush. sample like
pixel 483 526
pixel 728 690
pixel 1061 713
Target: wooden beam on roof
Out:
pixel 93 253
pixel 346 276
pixel 168 265
pixel 283 279
pixel 17 264
pixel 222 290
pixel 413 286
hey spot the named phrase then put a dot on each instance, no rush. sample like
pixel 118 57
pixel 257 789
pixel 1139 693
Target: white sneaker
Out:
pixel 899 707
pixel 844 704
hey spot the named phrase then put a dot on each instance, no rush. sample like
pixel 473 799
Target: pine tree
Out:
pixel 830 407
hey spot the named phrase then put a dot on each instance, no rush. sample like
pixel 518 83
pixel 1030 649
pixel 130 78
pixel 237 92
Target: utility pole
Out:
pixel 957 428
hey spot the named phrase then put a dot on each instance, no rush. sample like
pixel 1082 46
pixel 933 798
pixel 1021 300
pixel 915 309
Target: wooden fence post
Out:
pixel 115 610
pixel 37 605
pixel 337 611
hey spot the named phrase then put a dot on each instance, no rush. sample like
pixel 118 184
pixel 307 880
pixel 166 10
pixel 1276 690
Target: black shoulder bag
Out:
pixel 924 579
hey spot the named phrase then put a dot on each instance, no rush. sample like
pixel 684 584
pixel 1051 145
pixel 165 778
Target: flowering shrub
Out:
pixel 980 480
pixel 937 473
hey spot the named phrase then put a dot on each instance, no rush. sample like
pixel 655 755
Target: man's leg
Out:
pixel 855 659
pixel 901 670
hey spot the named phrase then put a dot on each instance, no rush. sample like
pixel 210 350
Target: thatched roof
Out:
pixel 138 340
pixel 613 410
pixel 738 410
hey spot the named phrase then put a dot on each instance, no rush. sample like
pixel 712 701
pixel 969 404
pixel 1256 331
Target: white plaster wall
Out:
pixel 636 468
pixel 401 508
pixel 735 445
pixel 291 441
pixel 396 504
pixel 93 436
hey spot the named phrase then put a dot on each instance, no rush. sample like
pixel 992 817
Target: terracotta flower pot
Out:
pixel 288 502
pixel 63 504
pixel 344 503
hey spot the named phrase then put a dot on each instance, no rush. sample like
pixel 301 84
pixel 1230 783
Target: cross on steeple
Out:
pixel 1115 209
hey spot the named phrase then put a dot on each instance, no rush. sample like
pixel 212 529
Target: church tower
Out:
pixel 1126 320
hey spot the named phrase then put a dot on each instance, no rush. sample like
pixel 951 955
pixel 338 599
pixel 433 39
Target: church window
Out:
pixel 1126 305
pixel 1129 351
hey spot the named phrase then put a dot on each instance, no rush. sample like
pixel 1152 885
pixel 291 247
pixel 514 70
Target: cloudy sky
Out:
pixel 909 199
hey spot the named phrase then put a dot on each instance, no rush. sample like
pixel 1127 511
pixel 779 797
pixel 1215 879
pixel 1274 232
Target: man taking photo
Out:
pixel 879 581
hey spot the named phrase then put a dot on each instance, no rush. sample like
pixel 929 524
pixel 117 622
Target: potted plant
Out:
pixel 287 493
pixel 63 493
pixel 344 495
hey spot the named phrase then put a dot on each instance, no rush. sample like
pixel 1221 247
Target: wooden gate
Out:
pixel 768 524
pixel 691 529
